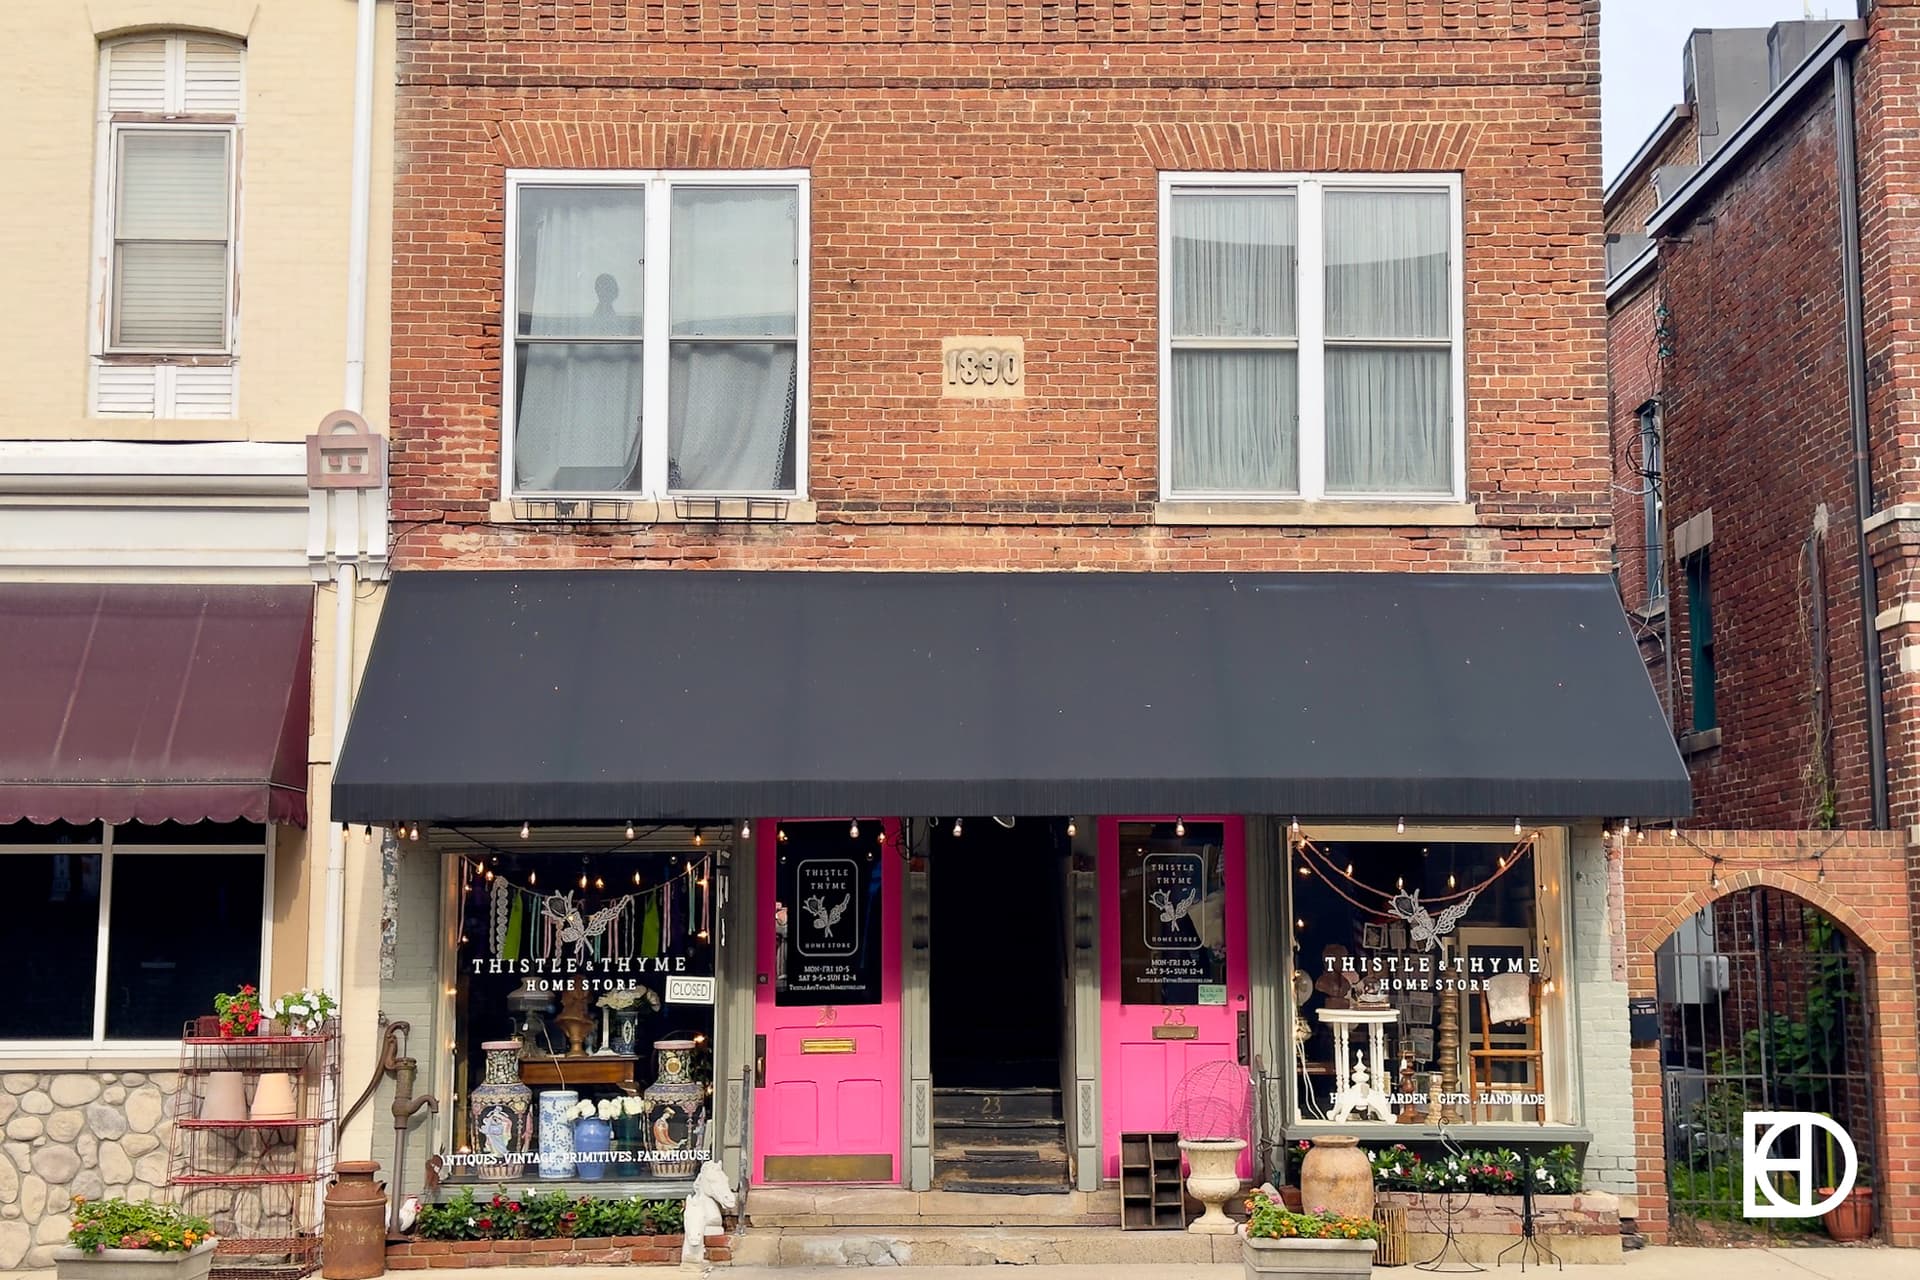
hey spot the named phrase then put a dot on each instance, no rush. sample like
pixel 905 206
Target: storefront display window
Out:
pixel 150 879
pixel 1173 938
pixel 1426 982
pixel 583 1001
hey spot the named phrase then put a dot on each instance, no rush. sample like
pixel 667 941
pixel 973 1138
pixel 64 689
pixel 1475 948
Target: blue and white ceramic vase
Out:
pixel 592 1140
pixel 502 1110
pixel 556 1132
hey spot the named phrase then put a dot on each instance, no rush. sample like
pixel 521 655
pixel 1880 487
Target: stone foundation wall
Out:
pixel 1578 1228
pixel 76 1133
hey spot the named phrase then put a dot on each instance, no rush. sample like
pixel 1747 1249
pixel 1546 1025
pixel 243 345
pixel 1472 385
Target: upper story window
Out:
pixel 658 333
pixel 1652 502
pixel 167 226
pixel 1310 337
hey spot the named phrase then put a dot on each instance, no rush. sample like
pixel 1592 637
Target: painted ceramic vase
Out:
pixel 592 1140
pixel 556 1132
pixel 1335 1177
pixel 626 1030
pixel 502 1114
pixel 676 1112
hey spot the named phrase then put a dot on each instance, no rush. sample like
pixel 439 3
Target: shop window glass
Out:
pixel 144 881
pixel 827 923
pixel 597 969
pixel 158 974
pixel 1448 951
pixel 1173 937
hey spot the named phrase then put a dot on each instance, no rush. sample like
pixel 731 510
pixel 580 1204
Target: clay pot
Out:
pixel 1852 1218
pixel 274 1099
pixel 225 1099
pixel 1336 1178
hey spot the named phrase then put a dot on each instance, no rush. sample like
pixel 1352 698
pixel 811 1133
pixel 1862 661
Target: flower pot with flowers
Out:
pixel 119 1239
pixel 239 1012
pixel 302 1013
pixel 1305 1246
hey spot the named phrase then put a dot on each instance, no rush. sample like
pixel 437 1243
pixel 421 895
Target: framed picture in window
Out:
pixel 1420 1043
pixel 1420 1007
pixel 1374 937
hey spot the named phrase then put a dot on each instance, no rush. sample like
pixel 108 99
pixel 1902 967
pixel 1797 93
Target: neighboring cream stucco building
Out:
pixel 181 183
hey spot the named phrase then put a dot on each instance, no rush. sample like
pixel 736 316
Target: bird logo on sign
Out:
pixel 825 917
pixel 1426 930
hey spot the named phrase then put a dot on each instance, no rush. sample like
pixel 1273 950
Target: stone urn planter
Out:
pixel 1306 1259
pixel 134 1264
pixel 1335 1177
pixel 1213 1177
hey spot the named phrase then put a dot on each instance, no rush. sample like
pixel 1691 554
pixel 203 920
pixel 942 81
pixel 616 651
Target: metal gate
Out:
pixel 1764 1006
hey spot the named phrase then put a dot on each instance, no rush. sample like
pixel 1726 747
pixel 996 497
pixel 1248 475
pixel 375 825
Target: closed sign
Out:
pixel 683 989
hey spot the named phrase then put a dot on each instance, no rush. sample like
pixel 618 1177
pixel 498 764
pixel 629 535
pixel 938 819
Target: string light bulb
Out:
pixel 1305 871
pixel 489 875
pixel 881 837
pixel 599 883
pixel 1296 826
pixel 1073 829
pixel 1180 826
pixel 1300 922
pixel 526 829
pixel 629 831
pixel 699 837
pixel 746 829
pixel 1349 871
pixel 1516 826
pixel 415 833
pixel 583 879
pixel 533 878
pixel 956 828
pixel 636 879
pixel 853 829
pixel 1673 832
pixel 783 835
pixel 1450 880
pixel 1401 826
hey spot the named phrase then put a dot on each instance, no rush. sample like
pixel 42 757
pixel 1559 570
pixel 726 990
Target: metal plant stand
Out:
pixel 1531 1242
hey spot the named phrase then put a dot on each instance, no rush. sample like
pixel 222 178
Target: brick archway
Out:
pixel 1859 880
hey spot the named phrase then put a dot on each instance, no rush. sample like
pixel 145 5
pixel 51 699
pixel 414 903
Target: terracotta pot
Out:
pixel 1290 1197
pixel 273 1098
pixel 225 1099
pixel 1336 1178
pixel 1852 1218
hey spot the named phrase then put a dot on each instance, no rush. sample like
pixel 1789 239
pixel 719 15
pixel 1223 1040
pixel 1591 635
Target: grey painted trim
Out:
pixel 1083 944
pixel 1813 72
pixel 916 1039
pixel 1630 276
pixel 1270 972
pixel 735 1023
pixel 1677 115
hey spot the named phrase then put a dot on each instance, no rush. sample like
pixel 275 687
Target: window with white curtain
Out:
pixel 1310 340
pixel 658 335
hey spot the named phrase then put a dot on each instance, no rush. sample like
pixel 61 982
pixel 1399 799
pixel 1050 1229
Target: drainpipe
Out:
pixel 1848 166
pixel 359 219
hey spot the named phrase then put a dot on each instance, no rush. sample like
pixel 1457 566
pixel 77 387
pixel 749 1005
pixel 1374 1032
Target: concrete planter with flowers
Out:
pixel 1283 1245
pixel 118 1239
pixel 133 1264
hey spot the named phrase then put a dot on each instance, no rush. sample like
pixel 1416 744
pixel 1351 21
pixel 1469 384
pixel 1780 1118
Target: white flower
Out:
pixel 1461 1178
pixel 470 1222
pixel 581 1111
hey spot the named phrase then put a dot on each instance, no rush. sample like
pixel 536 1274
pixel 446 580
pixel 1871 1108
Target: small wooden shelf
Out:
pixel 1152 1197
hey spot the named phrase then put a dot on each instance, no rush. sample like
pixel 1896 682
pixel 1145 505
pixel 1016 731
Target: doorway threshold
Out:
pixel 815 1207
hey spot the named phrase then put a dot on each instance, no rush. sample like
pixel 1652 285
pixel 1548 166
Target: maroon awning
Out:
pixel 154 703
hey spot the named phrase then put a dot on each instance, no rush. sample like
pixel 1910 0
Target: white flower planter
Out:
pixel 134 1264
pixel 1307 1259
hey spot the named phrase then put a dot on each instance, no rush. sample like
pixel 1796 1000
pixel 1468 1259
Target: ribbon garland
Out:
pixel 525 921
pixel 1329 869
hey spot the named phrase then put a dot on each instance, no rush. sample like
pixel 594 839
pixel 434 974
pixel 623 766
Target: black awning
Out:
pixel 605 696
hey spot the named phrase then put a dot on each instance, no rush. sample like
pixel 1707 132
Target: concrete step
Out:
pixel 987 1105
pixel 817 1208
pixel 1000 1133
pixel 980 1246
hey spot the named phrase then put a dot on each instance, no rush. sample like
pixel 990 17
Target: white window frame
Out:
pixel 1309 190
pixel 98 1045
pixel 109 127
pixel 656 341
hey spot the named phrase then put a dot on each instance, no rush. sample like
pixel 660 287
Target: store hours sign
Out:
pixel 828 929
pixel 1165 955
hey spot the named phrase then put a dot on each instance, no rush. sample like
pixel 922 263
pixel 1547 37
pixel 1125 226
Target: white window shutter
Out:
pixel 212 80
pixel 202 391
pixel 137 75
pixel 125 391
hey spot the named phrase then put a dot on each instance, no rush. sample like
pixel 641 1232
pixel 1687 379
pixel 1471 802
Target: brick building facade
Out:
pixel 987 392
pixel 1739 518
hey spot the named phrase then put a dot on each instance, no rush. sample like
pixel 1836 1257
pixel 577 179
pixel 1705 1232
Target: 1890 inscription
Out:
pixel 983 368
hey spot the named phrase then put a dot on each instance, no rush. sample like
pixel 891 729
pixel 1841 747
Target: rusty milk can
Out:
pixel 354 1243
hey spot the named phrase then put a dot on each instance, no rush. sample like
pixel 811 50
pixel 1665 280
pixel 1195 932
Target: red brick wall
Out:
pixel 613 1251
pixel 1668 881
pixel 1755 414
pixel 986 168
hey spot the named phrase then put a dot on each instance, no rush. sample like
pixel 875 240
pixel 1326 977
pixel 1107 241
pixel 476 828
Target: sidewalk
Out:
pixel 1646 1264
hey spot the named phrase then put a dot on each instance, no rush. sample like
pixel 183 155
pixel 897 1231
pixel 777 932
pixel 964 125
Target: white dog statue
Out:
pixel 712 1197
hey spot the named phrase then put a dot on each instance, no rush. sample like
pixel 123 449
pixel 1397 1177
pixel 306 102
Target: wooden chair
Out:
pixel 1482 1062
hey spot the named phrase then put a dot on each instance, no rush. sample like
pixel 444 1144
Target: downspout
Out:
pixel 360 216
pixel 1848 166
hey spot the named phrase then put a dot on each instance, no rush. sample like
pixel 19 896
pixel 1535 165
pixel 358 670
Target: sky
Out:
pixel 1640 43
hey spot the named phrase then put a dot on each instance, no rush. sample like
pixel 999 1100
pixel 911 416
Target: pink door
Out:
pixel 1173 969
pixel 827 1102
